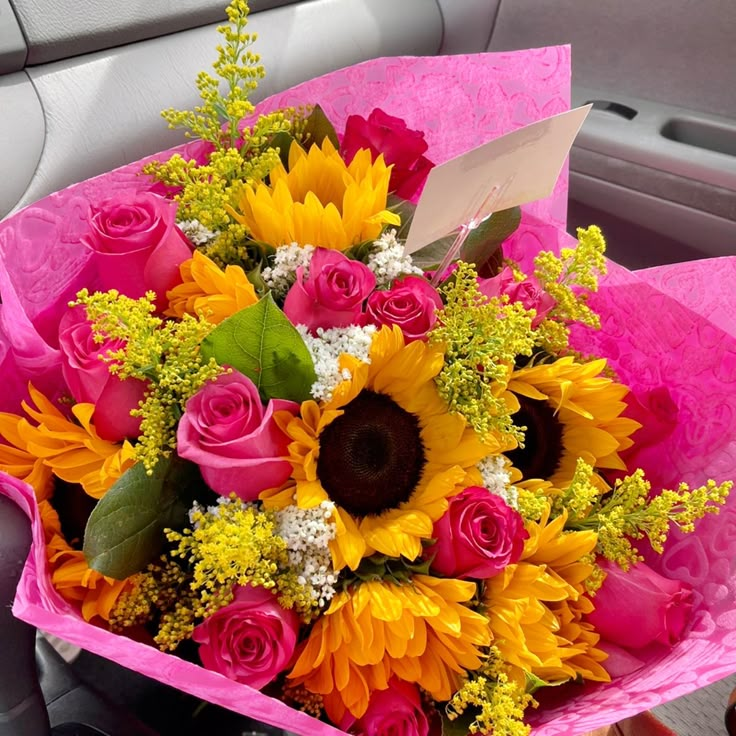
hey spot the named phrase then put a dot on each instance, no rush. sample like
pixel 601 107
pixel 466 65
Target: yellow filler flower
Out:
pixel 420 631
pixel 571 411
pixel 385 450
pixel 209 291
pixel 319 201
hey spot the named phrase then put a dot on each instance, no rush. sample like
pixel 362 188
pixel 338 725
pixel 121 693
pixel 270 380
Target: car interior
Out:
pixel 82 84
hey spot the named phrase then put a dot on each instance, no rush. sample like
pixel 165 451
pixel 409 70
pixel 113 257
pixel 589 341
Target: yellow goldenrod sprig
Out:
pixel 597 575
pixel 533 502
pixel 482 338
pixel 216 119
pixel 579 498
pixel 628 513
pixel 239 155
pixel 206 191
pixel 159 588
pixel 570 278
pixel 236 544
pixel 497 702
pixel 163 353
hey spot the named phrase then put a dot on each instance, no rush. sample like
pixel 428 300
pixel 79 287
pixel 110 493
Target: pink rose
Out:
pixel 396 711
pixel 251 640
pixel 478 536
pixel 529 292
pixel 235 441
pixel 400 146
pixel 90 381
pixel 136 244
pixel 656 411
pixel 639 607
pixel 411 303
pixel 332 295
pixel 620 661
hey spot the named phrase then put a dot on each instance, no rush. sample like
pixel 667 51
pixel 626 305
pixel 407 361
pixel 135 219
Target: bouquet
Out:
pixel 391 496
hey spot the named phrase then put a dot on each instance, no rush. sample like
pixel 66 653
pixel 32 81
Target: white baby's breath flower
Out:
pixel 307 533
pixel 327 346
pixel 197 233
pixel 198 508
pixel 280 277
pixel 388 261
pixel 497 479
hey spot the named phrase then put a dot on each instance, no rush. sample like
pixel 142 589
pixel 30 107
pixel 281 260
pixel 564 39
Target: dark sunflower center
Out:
pixel 371 458
pixel 540 457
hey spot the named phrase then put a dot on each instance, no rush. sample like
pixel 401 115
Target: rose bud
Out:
pixel 411 303
pixel 90 381
pixel 402 147
pixel 529 292
pixel 136 245
pixel 478 536
pixel 233 438
pixel 332 295
pixel 396 711
pixel 251 640
pixel 639 607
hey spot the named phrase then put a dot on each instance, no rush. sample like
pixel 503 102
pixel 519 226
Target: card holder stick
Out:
pixel 463 232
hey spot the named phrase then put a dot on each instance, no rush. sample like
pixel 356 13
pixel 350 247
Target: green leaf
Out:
pixel 125 530
pixel 458 727
pixel 480 245
pixel 360 251
pixel 261 343
pixel 486 239
pixel 318 127
pixel 431 255
pixel 283 140
pixel 256 279
pixel 534 683
pixel 405 210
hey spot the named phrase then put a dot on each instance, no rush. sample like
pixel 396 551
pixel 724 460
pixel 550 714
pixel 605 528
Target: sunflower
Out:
pixel 74 451
pixel 15 459
pixel 571 411
pixel 420 631
pixel 319 201
pixel 54 444
pixel 77 583
pixel 536 606
pixel 208 290
pixel 385 450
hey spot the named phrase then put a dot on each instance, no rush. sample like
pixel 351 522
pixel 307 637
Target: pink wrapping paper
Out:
pixel 652 339
pixel 654 332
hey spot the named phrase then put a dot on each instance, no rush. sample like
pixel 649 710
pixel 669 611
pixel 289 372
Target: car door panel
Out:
pixel 656 160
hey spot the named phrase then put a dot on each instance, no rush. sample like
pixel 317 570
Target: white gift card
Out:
pixel 514 169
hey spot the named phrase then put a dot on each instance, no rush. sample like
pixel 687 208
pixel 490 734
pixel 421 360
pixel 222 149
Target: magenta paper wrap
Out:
pixel 652 339
pixel 654 331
